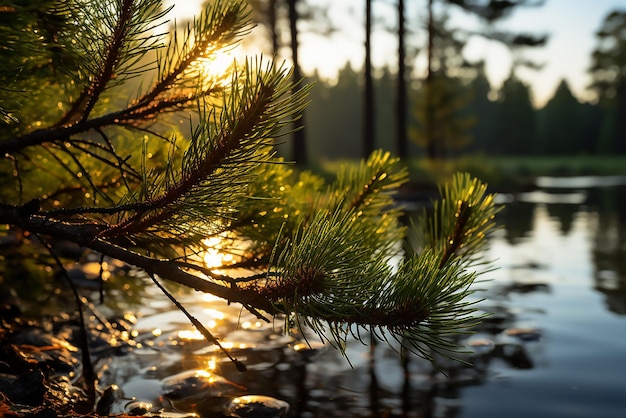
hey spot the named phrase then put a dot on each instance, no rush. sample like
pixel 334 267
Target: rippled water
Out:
pixel 555 345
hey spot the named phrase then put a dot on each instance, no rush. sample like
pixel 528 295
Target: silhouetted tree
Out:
pixel 265 13
pixel 335 117
pixel 490 11
pixel 591 119
pixel 369 100
pixel 481 110
pixel 559 124
pixel 442 125
pixel 429 140
pixel 608 72
pixel 514 125
pixel 299 150
pixel 448 99
pixel 401 104
pixel 386 115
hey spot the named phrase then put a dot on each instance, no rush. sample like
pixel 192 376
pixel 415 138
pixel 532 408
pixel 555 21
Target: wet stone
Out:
pixel 256 406
pixel 167 414
pixel 109 396
pixel 136 408
pixel 524 334
pixel 481 345
pixel 198 384
pixel 26 389
pixel 31 346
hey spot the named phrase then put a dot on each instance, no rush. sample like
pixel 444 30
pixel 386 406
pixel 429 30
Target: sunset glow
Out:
pixel 214 257
pixel 566 56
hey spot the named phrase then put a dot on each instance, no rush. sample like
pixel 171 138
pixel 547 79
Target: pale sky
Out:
pixel 571 25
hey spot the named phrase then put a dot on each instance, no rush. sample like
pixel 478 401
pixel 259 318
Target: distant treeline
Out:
pixel 471 119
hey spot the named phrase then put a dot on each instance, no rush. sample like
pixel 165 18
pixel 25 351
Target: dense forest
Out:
pixel 452 110
pixel 509 125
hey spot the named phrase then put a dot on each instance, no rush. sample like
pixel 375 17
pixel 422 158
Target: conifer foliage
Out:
pixel 93 153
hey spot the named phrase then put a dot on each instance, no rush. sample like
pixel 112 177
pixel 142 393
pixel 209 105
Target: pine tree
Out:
pixel 559 124
pixel 442 127
pixel 608 74
pixel 514 125
pixel 92 154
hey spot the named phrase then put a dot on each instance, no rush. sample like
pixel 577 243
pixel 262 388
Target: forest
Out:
pixel 452 110
pixel 508 126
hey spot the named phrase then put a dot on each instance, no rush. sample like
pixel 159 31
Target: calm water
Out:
pixel 555 345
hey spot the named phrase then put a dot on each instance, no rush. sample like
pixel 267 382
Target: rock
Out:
pixel 110 395
pixel 44 350
pixel 481 345
pixel 257 406
pixel 24 389
pixel 136 408
pixel 198 384
pixel 525 334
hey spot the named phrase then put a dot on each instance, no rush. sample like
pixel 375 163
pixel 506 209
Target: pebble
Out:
pixel 136 408
pixel 524 334
pixel 257 406
pixel 198 384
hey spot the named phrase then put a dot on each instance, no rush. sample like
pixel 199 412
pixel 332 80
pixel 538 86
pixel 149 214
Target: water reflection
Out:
pixel 553 346
pixel 609 252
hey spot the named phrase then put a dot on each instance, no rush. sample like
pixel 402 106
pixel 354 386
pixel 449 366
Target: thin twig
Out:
pixel 205 332
pixel 88 370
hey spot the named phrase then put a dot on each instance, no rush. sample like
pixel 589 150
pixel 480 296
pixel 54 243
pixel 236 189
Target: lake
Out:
pixel 554 345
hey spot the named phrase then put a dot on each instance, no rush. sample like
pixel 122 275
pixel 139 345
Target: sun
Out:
pixel 183 10
pixel 219 64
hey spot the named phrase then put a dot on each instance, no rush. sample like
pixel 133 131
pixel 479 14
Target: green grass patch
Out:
pixel 499 172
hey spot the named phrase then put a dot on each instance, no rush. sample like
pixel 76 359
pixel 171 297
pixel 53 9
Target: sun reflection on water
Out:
pixel 190 334
pixel 214 257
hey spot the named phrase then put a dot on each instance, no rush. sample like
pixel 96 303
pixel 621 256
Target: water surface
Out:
pixel 554 346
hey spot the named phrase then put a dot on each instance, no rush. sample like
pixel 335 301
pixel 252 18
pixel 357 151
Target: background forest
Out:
pixel 450 109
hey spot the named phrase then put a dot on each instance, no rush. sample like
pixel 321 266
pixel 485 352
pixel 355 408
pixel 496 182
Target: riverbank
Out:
pixel 515 172
pixel 500 173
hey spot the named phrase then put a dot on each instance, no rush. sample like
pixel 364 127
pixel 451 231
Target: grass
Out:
pixel 500 172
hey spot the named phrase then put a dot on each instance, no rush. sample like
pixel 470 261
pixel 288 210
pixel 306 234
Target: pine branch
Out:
pixel 347 280
pixel 461 220
pixel 252 113
pixel 85 234
pixel 325 256
pixel 120 44
pixel 214 31
pixel 88 99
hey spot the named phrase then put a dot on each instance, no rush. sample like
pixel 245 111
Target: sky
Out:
pixel 570 24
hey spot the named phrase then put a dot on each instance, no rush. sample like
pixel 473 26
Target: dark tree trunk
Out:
pixel 368 115
pixel 401 95
pixel 299 154
pixel 273 28
pixel 429 129
pixel 620 120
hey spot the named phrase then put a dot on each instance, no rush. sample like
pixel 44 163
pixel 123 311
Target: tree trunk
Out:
pixel 299 151
pixel 273 28
pixel 401 95
pixel 429 129
pixel 368 116
pixel 620 120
